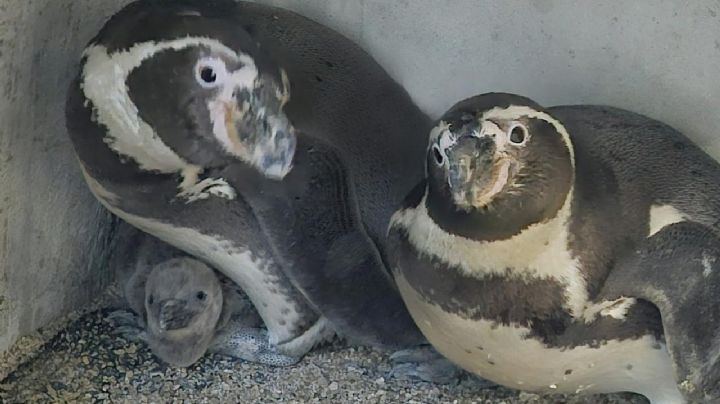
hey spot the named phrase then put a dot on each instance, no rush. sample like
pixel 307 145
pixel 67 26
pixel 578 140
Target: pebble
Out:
pixel 86 362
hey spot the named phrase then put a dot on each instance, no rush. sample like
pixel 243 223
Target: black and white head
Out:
pixel 183 303
pixel 496 164
pixel 182 83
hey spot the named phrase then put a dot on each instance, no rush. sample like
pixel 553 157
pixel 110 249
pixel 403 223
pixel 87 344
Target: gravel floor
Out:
pixel 85 362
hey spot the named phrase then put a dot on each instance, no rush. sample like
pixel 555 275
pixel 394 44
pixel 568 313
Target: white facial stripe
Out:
pixel 515 112
pixel 447 140
pixel 104 84
pixel 242 78
pixel 539 252
pixel 438 130
pixel 441 128
pixel 489 128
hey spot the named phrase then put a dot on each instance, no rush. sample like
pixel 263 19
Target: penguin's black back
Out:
pixel 627 163
pixel 379 132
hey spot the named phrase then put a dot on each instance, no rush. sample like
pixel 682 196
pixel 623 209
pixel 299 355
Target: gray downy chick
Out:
pixel 182 310
pixel 162 272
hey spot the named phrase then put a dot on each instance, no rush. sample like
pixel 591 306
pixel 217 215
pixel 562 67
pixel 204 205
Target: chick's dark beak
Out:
pixel 173 314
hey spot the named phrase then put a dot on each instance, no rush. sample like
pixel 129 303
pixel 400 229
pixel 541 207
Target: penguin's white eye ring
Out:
pixel 210 72
pixel 517 134
pixel 438 155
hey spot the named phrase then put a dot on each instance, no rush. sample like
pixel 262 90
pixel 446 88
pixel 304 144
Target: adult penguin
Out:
pixel 571 249
pixel 265 144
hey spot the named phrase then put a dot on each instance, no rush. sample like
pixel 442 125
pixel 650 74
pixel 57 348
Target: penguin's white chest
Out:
pixel 504 355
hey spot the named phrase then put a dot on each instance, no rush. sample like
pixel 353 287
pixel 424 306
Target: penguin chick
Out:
pixel 187 309
pixel 183 305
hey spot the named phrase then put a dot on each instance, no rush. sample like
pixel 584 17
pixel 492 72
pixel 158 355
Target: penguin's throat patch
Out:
pixel 483 195
pixel 232 113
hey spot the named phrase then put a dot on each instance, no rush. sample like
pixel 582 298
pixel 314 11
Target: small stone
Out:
pixel 333 386
pixel 380 381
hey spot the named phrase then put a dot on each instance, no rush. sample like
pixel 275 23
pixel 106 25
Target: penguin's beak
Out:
pixel 173 315
pixel 260 131
pixel 475 173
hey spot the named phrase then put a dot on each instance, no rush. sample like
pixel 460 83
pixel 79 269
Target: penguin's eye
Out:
pixel 207 75
pixel 151 299
pixel 517 134
pixel 201 296
pixel 438 155
pixel 210 72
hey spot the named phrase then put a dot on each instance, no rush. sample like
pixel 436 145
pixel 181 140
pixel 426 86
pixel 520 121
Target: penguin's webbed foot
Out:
pixel 319 333
pixel 425 364
pixel 250 344
pixel 206 188
pixel 128 325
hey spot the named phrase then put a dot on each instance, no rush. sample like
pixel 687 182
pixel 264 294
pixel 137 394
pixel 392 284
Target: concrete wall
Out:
pixel 656 57
pixel 53 235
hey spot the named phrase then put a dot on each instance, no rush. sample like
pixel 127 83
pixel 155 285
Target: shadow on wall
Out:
pixel 54 236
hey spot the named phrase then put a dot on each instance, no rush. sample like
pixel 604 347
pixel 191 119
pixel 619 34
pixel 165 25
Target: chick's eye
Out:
pixel 517 134
pixel 439 159
pixel 201 295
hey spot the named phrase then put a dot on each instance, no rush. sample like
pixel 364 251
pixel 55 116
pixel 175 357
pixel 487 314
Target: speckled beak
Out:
pixel 260 131
pixel 173 315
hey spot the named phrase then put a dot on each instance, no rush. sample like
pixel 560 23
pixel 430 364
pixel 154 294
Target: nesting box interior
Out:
pixel 56 241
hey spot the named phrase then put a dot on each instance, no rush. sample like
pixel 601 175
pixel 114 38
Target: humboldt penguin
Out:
pixel 265 144
pixel 571 249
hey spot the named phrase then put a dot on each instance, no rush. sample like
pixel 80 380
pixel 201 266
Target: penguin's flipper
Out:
pixel 128 325
pixel 678 270
pixel 314 225
pixel 250 344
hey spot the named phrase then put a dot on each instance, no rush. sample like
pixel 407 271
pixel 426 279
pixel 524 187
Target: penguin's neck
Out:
pixel 539 251
pixel 509 215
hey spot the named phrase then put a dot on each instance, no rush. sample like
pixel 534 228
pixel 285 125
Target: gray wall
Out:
pixel 660 58
pixel 53 235
pixel 657 57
